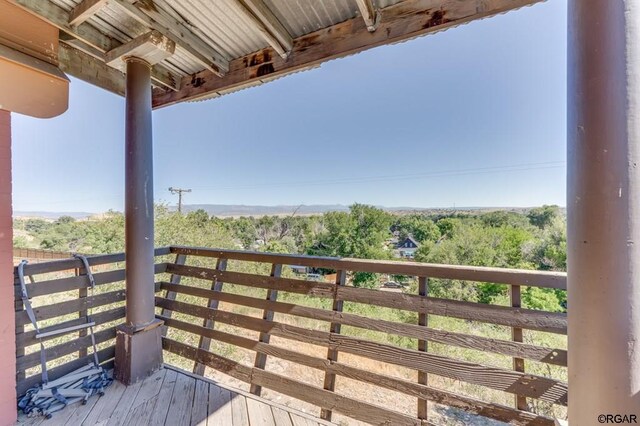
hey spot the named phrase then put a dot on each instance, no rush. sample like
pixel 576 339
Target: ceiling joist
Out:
pixel 369 14
pixel 402 21
pixel 269 26
pixel 85 67
pixel 84 10
pixel 87 39
pixel 151 16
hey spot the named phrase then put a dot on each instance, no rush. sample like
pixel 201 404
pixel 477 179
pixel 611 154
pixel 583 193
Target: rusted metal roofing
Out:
pixel 223 46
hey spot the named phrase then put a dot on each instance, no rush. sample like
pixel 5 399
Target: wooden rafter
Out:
pixel 402 21
pixel 368 13
pixel 84 10
pixel 155 19
pixel 87 39
pixel 269 26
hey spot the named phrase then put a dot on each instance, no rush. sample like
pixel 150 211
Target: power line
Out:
pixel 178 191
pixel 368 179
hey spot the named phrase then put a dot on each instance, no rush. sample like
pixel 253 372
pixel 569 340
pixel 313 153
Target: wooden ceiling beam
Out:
pixel 149 15
pixel 59 18
pixel 85 67
pixel 368 13
pixel 84 10
pixel 87 39
pixel 268 24
pixel 160 75
pixel 402 21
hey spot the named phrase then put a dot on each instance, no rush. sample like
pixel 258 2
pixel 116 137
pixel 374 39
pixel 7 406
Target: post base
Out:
pixel 138 353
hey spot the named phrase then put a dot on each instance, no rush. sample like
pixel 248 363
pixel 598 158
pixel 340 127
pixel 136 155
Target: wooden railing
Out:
pixel 245 318
pixel 61 298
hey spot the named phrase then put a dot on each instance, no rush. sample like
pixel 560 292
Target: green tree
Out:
pixel 543 216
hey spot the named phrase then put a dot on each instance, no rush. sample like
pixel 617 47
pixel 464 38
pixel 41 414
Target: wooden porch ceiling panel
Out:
pixel 229 45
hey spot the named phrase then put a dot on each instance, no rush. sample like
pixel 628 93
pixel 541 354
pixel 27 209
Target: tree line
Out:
pixel 533 239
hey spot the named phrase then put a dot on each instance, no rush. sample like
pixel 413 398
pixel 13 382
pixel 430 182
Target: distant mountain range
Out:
pixel 231 210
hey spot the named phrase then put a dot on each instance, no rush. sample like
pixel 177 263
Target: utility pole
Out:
pixel 179 191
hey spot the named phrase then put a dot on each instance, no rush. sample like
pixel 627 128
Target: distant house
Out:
pixel 407 247
pixel 299 270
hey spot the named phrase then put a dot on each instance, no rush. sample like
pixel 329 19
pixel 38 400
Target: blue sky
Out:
pixel 474 116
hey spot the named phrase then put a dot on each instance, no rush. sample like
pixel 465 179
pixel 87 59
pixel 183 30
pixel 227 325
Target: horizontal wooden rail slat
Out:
pixel 496 378
pixel 31 381
pixel 502 315
pixel 311 288
pixel 70 306
pixel 409 388
pixel 60 285
pixel 54 352
pixel 29 338
pixel 359 410
pixel 73 263
pixel 505 347
pixel 531 278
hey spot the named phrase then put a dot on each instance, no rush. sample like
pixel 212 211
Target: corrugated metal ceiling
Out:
pixel 224 24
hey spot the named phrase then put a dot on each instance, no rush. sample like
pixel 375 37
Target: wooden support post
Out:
pixel 181 259
pixel 82 293
pixel 423 319
pixel 517 336
pixel 261 359
pixel 332 354
pixel 205 342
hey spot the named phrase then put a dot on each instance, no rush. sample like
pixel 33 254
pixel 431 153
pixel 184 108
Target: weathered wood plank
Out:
pixel 517 336
pixel 84 10
pixel 502 315
pixel 81 412
pixel 73 263
pixel 54 352
pixel 175 280
pixel 60 285
pixel 332 354
pixel 455 272
pixel 239 412
pixel 260 414
pixel 163 399
pixel 549 355
pixel 496 378
pixel 150 389
pixel 205 342
pixel 119 414
pixel 320 397
pixel 368 13
pixel 412 389
pixel 219 406
pixel 179 32
pixel 181 401
pixel 70 306
pixel 258 281
pixel 105 405
pixel 29 338
pixel 281 417
pixel 268 25
pixel 423 320
pixel 199 412
pixel 267 315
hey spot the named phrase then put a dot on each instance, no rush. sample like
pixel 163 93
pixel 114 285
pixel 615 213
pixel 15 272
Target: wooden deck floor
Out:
pixel 171 397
